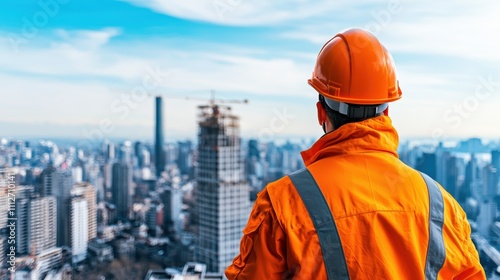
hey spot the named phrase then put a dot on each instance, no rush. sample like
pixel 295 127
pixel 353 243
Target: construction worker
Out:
pixel 356 211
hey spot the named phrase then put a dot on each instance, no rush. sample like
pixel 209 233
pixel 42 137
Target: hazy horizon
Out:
pixel 70 66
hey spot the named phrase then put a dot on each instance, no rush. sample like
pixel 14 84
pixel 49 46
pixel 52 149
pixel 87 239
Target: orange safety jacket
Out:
pixel 389 221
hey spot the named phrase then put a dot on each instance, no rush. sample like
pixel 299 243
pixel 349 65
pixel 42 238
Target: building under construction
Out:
pixel 222 197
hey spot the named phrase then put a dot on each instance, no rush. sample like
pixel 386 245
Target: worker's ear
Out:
pixel 321 113
pixel 386 111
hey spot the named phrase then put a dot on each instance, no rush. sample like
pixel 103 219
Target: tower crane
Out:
pixel 212 101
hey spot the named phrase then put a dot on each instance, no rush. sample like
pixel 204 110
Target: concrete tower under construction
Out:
pixel 222 197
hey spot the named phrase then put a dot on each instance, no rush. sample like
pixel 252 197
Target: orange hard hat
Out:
pixel 354 68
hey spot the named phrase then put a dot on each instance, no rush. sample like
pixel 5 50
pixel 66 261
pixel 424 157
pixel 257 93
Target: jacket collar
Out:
pixel 374 134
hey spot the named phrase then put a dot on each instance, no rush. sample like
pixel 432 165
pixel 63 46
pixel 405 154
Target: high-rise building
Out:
pixel 253 157
pixel 120 188
pixel 125 152
pixel 77 172
pixel 107 174
pixel 273 170
pixel 427 164
pixel 23 197
pixel 88 192
pixel 490 182
pixel 58 183
pixel 49 180
pixel 138 154
pixel 159 154
pixel 3 250
pixel 4 207
pixel 253 149
pixel 441 157
pixel 109 152
pixel 222 193
pixel 43 224
pixel 36 229
pixel 450 178
pixel 22 226
pixel 472 179
pixel 254 167
pixel 172 205
pixel 495 161
pixel 79 228
pixel 184 157
pixel 154 218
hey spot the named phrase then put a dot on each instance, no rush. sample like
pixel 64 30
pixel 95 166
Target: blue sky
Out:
pixel 90 69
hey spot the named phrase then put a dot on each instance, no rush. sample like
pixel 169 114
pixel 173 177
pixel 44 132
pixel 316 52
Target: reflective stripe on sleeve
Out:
pixel 436 253
pixel 321 216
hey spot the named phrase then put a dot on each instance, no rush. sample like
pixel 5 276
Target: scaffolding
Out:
pixel 218 126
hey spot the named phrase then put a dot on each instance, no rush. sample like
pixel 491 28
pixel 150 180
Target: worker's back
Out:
pixel 389 221
pixel 380 207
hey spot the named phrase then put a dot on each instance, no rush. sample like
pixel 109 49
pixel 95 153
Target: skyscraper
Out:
pixel 184 157
pixel 48 180
pixel 120 188
pixel 23 197
pixel 88 192
pixel 490 182
pixel 4 207
pixel 58 183
pixel 159 155
pixel 3 249
pixel 451 174
pixel 154 218
pixel 42 224
pixel 109 152
pixel 79 228
pixel 471 182
pixel 138 153
pixel 495 161
pixel 36 230
pixel 171 198
pixel 222 195
pixel 427 164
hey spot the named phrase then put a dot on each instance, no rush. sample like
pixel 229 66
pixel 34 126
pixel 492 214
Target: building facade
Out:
pixel 159 153
pixel 36 229
pixel 79 229
pixel 222 193
pixel 88 192
pixel 120 188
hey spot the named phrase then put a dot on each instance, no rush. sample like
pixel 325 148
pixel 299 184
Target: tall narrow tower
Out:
pixel 222 197
pixel 159 154
pixel 120 189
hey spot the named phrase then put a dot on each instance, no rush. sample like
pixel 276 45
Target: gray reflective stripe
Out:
pixel 321 216
pixel 435 250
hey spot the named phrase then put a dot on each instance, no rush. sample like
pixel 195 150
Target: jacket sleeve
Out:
pixel 464 257
pixel 262 249
pixel 472 269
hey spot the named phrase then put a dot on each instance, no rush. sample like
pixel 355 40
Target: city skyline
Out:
pixel 152 158
pixel 119 210
pixel 67 71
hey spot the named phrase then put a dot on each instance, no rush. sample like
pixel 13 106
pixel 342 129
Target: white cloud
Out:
pixel 85 39
pixel 85 53
pixel 66 82
pixel 422 27
pixel 239 12
pixel 76 76
pixel 78 53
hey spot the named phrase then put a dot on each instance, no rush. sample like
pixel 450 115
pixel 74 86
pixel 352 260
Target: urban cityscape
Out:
pixel 161 210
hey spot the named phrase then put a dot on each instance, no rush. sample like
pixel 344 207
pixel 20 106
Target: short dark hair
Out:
pixel 336 118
